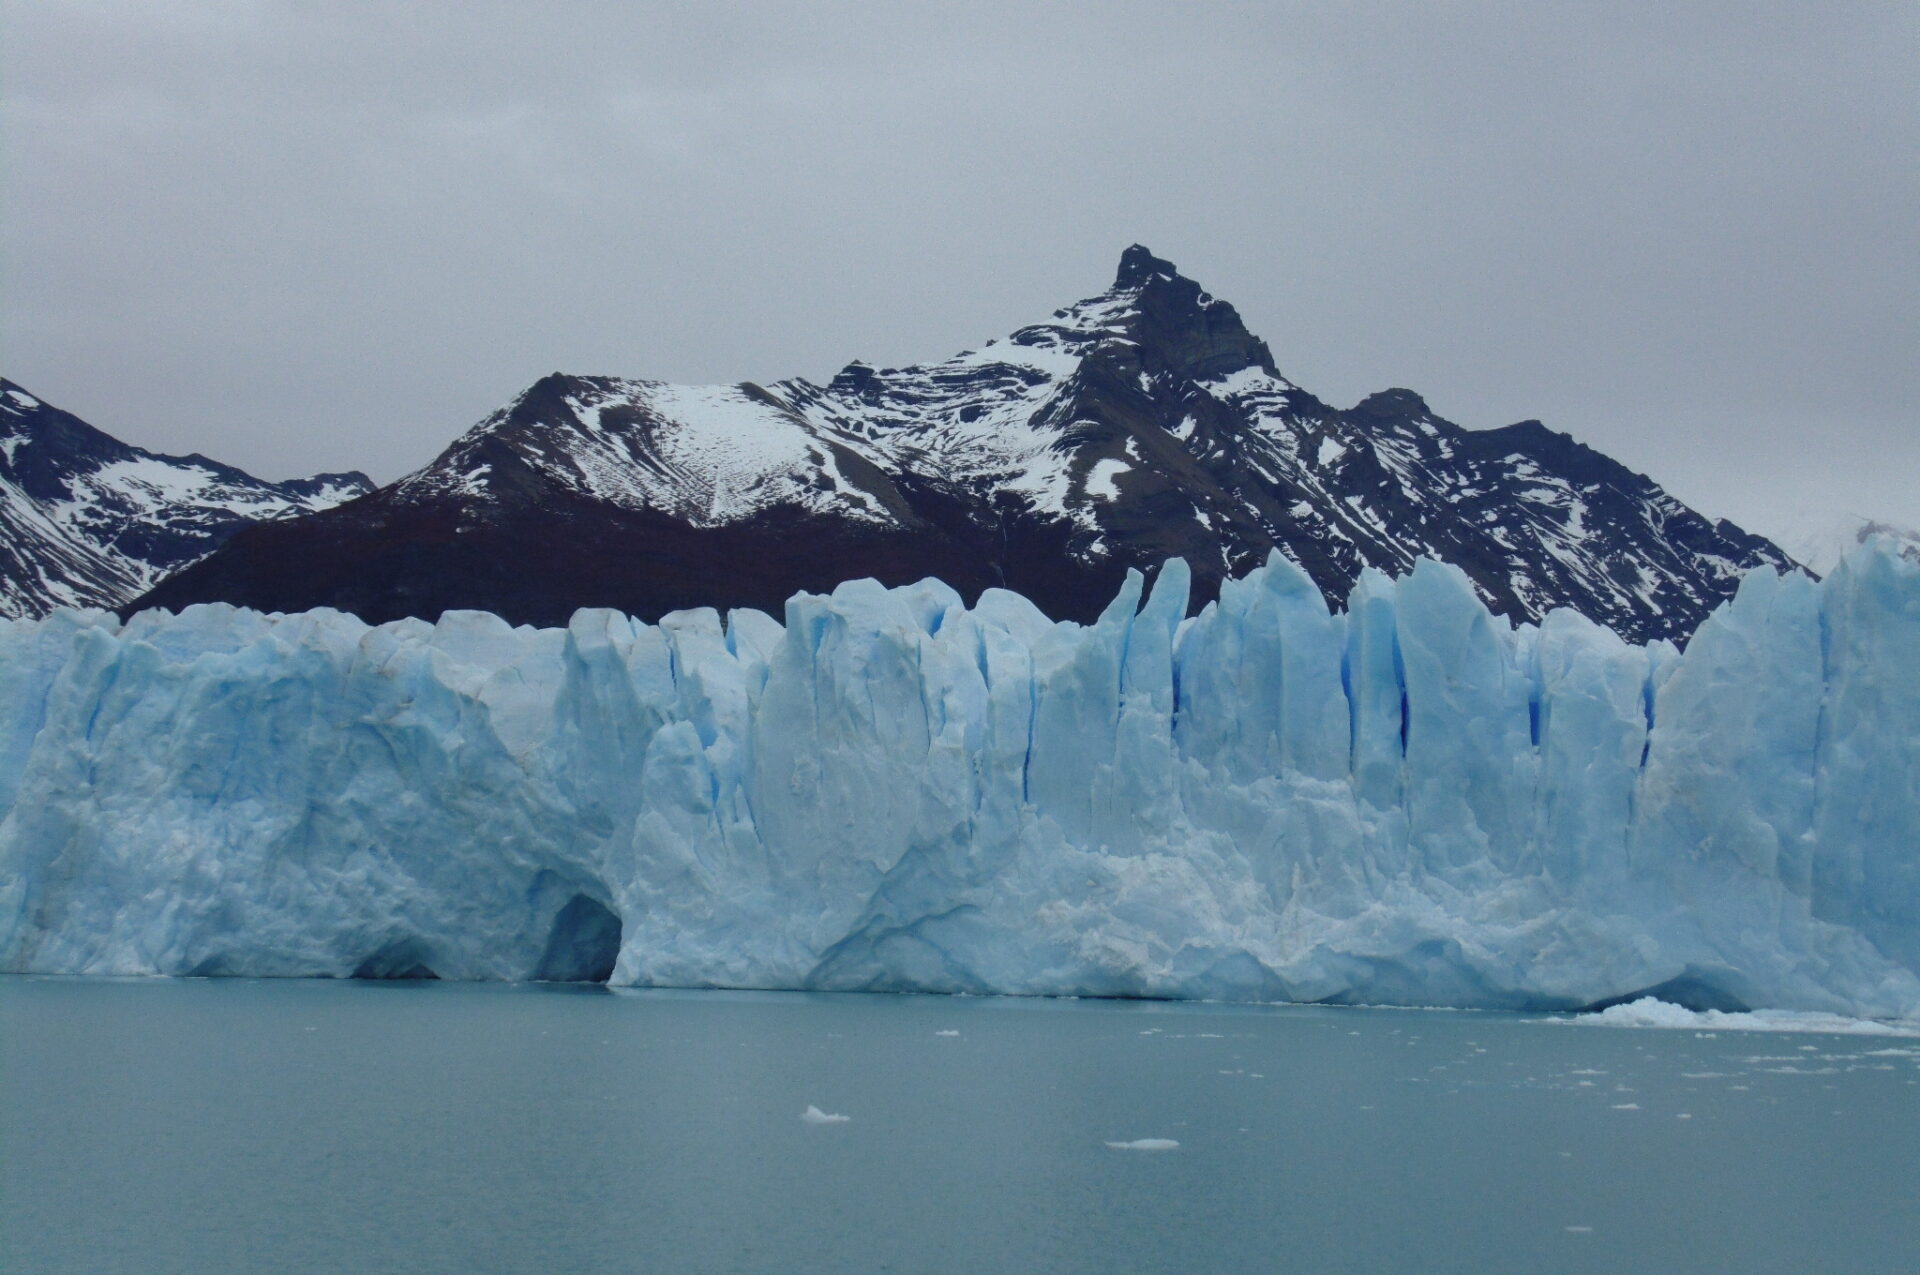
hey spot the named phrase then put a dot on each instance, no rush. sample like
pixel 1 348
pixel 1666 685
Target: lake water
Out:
pixel 230 1125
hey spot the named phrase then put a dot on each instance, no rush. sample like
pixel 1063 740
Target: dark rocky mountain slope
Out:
pixel 1143 423
pixel 86 520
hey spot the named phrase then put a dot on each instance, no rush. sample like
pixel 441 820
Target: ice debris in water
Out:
pixel 1146 1144
pixel 1650 1012
pixel 1409 801
pixel 948 1032
pixel 813 1115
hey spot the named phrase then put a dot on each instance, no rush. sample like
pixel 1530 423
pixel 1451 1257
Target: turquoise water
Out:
pixel 230 1125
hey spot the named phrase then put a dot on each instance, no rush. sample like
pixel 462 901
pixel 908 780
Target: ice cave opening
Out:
pixel 583 945
pixel 1695 989
pixel 400 960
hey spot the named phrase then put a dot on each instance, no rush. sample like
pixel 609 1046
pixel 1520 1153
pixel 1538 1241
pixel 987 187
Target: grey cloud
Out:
pixel 323 236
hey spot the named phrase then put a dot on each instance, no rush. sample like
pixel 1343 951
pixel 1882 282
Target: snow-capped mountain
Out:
pixel 86 520
pixel 1142 424
pixel 1819 540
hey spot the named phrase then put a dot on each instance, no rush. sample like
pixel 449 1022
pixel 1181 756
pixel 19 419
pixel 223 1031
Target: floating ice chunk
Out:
pixel 1649 1012
pixel 1146 1144
pixel 948 1032
pixel 1626 1106
pixel 813 1115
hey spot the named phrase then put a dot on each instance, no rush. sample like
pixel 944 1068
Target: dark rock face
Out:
pixel 1141 424
pixel 86 520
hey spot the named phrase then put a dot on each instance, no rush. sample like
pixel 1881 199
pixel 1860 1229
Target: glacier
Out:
pixel 1407 801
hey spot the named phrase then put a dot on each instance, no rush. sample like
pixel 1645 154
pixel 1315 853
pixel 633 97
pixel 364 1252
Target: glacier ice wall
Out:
pixel 1408 801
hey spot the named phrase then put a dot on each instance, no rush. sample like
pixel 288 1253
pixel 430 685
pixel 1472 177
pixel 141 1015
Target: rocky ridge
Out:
pixel 89 521
pixel 1142 424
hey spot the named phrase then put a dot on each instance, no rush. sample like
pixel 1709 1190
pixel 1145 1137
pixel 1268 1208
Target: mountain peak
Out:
pixel 1140 424
pixel 1154 307
pixel 1200 335
pixel 854 380
pixel 1391 404
pixel 1138 265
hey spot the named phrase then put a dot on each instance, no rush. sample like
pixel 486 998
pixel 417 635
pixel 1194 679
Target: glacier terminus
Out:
pixel 1406 801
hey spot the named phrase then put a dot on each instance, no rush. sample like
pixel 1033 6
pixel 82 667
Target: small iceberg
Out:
pixel 1146 1144
pixel 1649 1011
pixel 813 1115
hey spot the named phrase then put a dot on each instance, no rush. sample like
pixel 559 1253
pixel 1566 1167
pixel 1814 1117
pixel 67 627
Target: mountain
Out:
pixel 86 520
pixel 1142 424
pixel 1819 540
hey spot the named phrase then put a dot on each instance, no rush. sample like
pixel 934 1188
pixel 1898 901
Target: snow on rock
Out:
pixel 1101 478
pixel 1144 423
pixel 1410 801
pixel 86 520
pixel 708 454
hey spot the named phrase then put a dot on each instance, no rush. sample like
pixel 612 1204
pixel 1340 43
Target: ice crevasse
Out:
pixel 1406 801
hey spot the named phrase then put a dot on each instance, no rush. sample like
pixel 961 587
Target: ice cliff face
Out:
pixel 1410 801
pixel 86 520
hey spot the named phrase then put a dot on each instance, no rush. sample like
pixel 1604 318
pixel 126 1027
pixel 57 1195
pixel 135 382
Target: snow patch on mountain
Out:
pixel 1100 479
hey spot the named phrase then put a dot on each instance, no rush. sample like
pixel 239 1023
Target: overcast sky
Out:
pixel 327 235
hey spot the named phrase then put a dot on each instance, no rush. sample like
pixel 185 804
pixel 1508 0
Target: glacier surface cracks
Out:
pixel 1409 801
